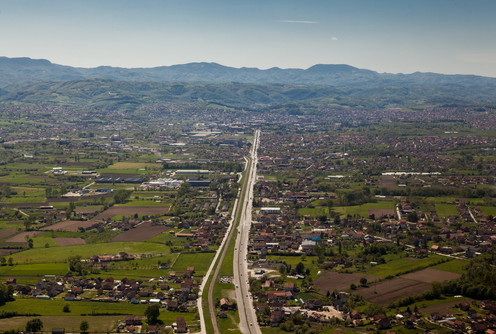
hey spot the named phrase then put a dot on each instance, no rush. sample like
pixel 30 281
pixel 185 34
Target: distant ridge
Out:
pixel 19 71
pixel 38 81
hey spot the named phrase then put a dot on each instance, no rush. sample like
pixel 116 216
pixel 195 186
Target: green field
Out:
pixel 363 210
pixel 60 254
pixel 135 165
pixel 488 210
pixel 401 265
pixel 201 262
pixel 445 210
pixel 314 212
pixel 54 308
pixel 453 266
pixel 144 203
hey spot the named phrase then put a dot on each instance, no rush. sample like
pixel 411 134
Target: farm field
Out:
pixel 330 281
pixel 445 210
pixel 70 225
pixel 401 265
pixel 454 266
pixel 488 210
pixel 391 290
pixel 71 323
pixel 443 306
pixel 134 165
pixel 7 233
pixel 152 210
pixel 430 275
pixel 21 237
pixel 53 308
pixel 60 254
pixel 363 210
pixel 69 241
pixel 35 269
pixel 410 284
pixel 201 262
pixel 142 232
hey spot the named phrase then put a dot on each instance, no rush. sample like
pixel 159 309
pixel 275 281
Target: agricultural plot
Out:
pixel 37 269
pixel 330 281
pixel 7 233
pixel 430 275
pixel 488 210
pixel 201 262
pixel 60 254
pixel 70 225
pixel 134 165
pixel 54 308
pixel 382 213
pixel 444 307
pixel 71 323
pixel 388 291
pixel 314 212
pixel 88 209
pixel 402 265
pixel 407 285
pixel 153 210
pixel 69 241
pixel 453 266
pixel 142 232
pixel 363 210
pixel 446 210
pixel 21 237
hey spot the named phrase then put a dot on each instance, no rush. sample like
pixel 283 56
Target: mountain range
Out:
pixel 38 80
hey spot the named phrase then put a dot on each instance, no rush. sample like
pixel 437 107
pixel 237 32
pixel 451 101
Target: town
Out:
pixel 358 221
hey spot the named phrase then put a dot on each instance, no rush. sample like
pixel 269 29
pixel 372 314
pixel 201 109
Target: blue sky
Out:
pixel 400 36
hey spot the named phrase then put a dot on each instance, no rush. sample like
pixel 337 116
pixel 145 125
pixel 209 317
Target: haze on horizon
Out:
pixel 442 36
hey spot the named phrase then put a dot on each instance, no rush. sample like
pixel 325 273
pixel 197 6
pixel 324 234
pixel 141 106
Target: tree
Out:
pixel 76 265
pixel 121 195
pixel 152 313
pixel 84 326
pixel 6 293
pixel 11 261
pixel 412 217
pixel 30 243
pixel 363 281
pixel 34 325
pixel 300 268
pixel 66 308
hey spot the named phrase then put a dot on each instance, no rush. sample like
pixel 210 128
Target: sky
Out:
pixel 394 36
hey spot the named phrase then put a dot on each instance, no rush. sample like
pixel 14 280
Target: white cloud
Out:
pixel 299 22
pixel 334 38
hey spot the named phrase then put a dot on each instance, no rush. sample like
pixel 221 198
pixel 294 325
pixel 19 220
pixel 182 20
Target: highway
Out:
pixel 245 307
pixel 248 318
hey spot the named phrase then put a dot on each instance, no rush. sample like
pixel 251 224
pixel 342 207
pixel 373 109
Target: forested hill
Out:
pixel 26 70
pixel 24 80
pixel 107 94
